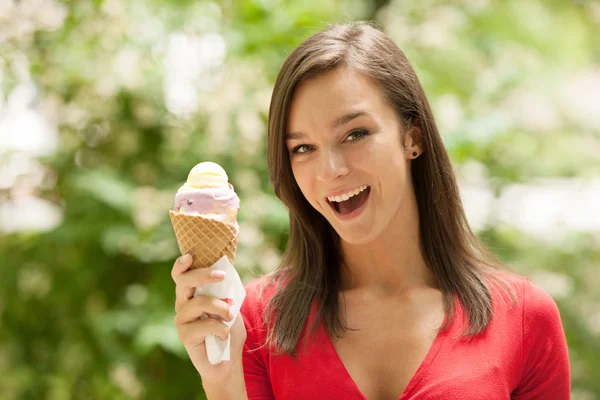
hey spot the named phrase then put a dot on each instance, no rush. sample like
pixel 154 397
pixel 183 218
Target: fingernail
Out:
pixel 217 274
pixel 230 314
pixel 228 301
pixel 184 258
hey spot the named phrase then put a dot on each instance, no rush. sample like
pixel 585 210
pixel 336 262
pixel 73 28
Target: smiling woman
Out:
pixel 384 291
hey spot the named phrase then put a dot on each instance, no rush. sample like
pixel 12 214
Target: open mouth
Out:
pixel 352 204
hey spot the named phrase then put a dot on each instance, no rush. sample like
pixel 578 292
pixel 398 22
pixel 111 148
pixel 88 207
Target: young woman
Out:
pixel 384 291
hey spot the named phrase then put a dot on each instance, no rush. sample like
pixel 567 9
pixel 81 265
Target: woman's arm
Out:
pixel 233 389
pixel 254 358
pixel 546 370
pixel 257 379
pixel 249 380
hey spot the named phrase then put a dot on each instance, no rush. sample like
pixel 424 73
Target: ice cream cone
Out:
pixel 207 240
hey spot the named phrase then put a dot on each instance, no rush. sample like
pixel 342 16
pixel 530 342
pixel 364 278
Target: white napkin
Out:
pixel 229 288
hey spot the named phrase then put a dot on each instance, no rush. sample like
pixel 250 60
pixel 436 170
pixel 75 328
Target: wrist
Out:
pixel 231 387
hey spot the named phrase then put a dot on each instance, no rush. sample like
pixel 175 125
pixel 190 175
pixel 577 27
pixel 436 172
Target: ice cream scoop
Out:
pixel 208 193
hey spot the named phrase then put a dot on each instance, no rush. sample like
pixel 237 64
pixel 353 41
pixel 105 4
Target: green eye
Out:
pixel 296 150
pixel 359 133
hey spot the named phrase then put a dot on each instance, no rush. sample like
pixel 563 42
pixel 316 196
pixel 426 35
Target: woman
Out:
pixel 384 291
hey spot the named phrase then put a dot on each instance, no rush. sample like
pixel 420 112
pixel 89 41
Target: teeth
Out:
pixel 346 196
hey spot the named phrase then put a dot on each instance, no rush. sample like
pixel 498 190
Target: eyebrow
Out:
pixel 344 119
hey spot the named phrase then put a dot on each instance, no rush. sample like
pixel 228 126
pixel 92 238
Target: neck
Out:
pixel 393 263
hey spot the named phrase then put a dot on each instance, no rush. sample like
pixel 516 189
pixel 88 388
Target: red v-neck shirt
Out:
pixel 521 355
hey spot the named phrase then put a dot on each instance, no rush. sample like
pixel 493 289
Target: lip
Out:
pixel 345 190
pixel 353 214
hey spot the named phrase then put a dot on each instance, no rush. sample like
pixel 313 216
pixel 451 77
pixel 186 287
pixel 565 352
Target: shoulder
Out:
pixel 533 306
pixel 531 298
pixel 519 300
pixel 540 311
pixel 534 301
pixel 259 292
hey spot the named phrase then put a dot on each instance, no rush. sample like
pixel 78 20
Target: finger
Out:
pixel 189 280
pixel 198 277
pixel 182 295
pixel 200 305
pixel 181 265
pixel 194 333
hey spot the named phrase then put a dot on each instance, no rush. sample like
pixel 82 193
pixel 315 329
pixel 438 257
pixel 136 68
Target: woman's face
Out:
pixel 343 137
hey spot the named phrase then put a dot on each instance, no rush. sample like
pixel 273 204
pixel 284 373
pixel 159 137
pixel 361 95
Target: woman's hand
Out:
pixel 192 330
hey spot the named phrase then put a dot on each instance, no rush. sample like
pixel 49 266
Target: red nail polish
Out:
pixel 228 301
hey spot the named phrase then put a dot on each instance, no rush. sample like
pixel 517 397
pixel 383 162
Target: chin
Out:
pixel 356 238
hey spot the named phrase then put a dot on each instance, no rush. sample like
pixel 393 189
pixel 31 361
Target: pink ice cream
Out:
pixel 208 193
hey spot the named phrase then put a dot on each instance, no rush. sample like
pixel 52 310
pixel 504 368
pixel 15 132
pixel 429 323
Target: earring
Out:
pixel 415 154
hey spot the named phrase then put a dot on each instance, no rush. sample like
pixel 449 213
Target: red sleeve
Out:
pixel 546 371
pixel 258 384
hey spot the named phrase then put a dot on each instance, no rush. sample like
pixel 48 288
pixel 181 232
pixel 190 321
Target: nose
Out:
pixel 332 165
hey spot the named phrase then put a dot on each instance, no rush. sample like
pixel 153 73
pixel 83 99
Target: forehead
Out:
pixel 327 96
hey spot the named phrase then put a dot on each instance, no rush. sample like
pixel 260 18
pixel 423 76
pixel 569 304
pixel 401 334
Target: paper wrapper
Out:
pixel 205 239
pixel 231 287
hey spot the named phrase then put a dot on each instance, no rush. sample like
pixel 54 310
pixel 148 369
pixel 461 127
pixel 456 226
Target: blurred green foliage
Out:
pixel 86 308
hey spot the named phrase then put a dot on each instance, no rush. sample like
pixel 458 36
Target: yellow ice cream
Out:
pixel 207 175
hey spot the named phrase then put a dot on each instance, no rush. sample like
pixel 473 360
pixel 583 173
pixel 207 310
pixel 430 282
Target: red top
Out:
pixel 522 354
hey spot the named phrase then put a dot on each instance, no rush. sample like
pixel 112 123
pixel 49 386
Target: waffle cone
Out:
pixel 205 239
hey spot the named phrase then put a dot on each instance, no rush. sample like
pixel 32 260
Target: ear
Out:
pixel 413 140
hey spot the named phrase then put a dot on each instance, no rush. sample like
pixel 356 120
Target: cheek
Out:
pixel 302 178
pixel 389 164
pixel 382 158
pixel 305 179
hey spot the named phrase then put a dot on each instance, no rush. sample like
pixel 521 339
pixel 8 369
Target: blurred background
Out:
pixel 105 105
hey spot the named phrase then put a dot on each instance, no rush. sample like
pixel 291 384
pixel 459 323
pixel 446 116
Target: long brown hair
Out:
pixel 311 265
